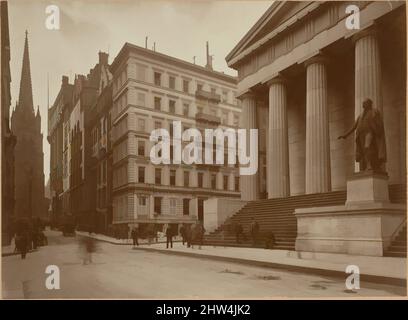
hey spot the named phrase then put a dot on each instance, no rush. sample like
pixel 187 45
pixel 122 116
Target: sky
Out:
pixel 179 29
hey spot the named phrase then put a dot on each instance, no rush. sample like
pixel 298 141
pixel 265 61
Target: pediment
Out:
pixel 277 14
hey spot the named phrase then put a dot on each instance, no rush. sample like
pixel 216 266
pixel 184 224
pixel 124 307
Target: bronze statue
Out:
pixel 370 139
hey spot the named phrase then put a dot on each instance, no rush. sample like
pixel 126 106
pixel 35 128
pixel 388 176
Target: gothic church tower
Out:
pixel 29 156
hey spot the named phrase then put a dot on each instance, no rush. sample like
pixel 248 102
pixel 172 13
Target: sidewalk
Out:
pixel 387 270
pixel 102 237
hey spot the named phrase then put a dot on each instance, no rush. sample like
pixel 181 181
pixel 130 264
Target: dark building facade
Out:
pixel 29 156
pixel 62 104
pixel 74 176
pixel 8 140
pixel 101 159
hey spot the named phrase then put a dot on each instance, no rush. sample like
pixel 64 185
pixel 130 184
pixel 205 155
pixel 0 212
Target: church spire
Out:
pixel 26 93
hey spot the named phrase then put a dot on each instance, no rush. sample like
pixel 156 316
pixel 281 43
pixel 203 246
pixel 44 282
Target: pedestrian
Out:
pixel 88 247
pixel 239 231
pixel 135 236
pixel 254 231
pixel 169 236
pixel 270 240
pixel 182 232
pixel 200 235
pixel 188 235
pixel 151 233
pixel 22 243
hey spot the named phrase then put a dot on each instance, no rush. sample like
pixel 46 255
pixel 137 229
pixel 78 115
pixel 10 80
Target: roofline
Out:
pixel 252 29
pixel 128 47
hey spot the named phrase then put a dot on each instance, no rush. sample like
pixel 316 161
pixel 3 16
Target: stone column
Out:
pixel 318 177
pixel 249 183
pixel 278 148
pixel 367 69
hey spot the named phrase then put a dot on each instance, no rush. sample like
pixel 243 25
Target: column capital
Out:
pixel 318 58
pixel 277 79
pixel 367 31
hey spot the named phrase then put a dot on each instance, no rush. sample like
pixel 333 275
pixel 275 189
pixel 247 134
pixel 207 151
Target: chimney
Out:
pixel 209 58
pixel 65 80
pixel 103 58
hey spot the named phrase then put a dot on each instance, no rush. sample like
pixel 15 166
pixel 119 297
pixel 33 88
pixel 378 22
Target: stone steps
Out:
pixel 277 216
pixel 398 247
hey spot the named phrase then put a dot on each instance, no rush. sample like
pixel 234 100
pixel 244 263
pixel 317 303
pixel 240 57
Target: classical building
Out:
pixel 304 70
pixel 8 140
pixel 151 90
pixel 62 106
pixel 302 78
pixel 29 156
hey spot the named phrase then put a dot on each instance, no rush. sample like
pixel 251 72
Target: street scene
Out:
pixel 117 271
pixel 203 150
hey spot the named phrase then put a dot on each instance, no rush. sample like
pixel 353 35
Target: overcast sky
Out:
pixel 179 28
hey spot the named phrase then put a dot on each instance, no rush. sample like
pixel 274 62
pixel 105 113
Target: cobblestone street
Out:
pixel 118 271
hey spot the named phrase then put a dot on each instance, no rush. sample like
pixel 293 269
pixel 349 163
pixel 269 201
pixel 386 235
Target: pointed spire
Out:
pixel 26 92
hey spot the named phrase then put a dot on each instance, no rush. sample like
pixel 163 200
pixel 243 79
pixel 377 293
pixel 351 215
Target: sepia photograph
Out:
pixel 203 150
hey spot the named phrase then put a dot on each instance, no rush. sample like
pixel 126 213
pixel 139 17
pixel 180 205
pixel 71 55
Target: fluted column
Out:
pixel 318 177
pixel 278 149
pixel 249 183
pixel 367 69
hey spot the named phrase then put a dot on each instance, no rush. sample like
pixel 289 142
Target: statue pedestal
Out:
pixel 367 188
pixel 364 225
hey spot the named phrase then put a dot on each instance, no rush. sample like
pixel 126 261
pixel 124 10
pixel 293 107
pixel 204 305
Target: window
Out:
pixel 172 82
pixel 186 207
pixel 186 85
pixel 157 103
pixel 237 183
pixel 141 147
pixel 172 177
pixel 185 109
pixel 157 78
pixel 173 205
pixel 200 177
pixel 141 174
pixel 224 96
pixel 186 178
pixel 157 205
pixel 213 90
pixel 213 181
pixel 225 182
pixel 142 124
pixel 142 201
pixel 172 106
pixel 157 176
pixel 213 111
pixel 157 124
pixel 200 109
pixel 141 99
pixel 199 87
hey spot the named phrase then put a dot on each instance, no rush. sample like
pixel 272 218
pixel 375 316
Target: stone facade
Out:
pixel 8 140
pixel 151 90
pixel 61 106
pixel 71 120
pixel 313 72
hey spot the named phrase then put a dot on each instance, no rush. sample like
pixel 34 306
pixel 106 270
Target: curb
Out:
pixel 291 268
pixel 8 254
